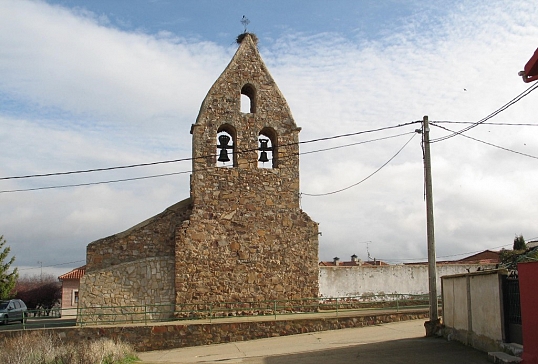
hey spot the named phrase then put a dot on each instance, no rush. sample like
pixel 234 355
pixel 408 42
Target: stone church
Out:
pixel 241 236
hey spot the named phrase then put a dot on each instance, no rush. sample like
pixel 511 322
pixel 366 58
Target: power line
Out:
pixel 188 171
pixel 364 179
pixel 202 157
pixel 184 172
pixel 96 169
pixel 52 265
pixel 357 143
pixel 473 122
pixel 445 256
pixel 496 112
pixel 490 144
pixel 95 183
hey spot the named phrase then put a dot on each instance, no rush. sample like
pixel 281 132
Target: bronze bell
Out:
pixel 223 156
pixel 264 149
pixel 263 157
pixel 223 145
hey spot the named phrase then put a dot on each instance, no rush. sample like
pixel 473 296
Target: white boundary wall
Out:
pixel 385 279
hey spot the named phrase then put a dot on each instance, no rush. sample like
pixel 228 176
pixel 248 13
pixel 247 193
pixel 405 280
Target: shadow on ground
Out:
pixel 417 351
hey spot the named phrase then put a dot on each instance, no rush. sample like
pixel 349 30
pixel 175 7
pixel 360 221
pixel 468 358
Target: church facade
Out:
pixel 241 236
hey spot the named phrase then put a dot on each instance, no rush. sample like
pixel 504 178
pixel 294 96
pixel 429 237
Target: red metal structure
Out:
pixel 528 295
pixel 530 72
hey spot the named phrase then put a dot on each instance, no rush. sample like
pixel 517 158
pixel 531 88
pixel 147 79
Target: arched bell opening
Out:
pixel 248 99
pixel 226 141
pixel 267 149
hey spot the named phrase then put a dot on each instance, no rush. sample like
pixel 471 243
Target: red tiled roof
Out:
pixel 76 273
pixel 485 257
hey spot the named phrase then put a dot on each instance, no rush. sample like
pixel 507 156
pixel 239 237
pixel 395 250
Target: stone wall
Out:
pixel 134 291
pixel 247 238
pixel 241 236
pixel 135 267
pixel 178 335
pixel 154 237
pixel 380 280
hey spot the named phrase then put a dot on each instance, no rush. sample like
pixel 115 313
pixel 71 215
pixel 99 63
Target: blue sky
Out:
pixel 93 84
pixel 219 21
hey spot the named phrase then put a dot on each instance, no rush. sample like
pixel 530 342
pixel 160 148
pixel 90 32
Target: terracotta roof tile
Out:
pixel 76 273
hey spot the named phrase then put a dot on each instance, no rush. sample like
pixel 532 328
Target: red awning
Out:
pixel 530 72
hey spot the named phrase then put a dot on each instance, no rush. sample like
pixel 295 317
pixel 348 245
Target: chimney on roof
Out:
pixel 354 258
pixel 336 260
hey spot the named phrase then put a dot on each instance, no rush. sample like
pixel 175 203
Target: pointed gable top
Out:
pixel 247 69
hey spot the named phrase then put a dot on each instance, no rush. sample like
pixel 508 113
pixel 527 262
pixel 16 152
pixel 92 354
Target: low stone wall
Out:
pixel 147 284
pixel 178 335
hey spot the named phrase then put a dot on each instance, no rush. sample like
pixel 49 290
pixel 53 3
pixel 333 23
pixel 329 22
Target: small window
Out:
pixel 248 99
pixel 75 297
pixel 245 104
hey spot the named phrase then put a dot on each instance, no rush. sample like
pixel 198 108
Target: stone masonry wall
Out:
pixel 178 335
pixel 241 236
pixel 135 267
pixel 247 238
pixel 151 238
pixel 133 291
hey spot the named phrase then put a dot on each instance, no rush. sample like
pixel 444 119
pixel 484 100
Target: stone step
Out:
pixel 500 357
pixel 513 348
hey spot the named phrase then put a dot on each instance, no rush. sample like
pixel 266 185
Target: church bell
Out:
pixel 264 149
pixel 223 146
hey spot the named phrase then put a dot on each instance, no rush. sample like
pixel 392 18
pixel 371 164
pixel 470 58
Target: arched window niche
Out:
pixel 267 149
pixel 226 141
pixel 248 99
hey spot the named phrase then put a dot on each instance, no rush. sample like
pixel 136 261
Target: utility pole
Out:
pixel 41 263
pixel 432 268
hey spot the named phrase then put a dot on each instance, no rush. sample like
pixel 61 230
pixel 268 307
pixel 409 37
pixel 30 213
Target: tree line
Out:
pixel 39 292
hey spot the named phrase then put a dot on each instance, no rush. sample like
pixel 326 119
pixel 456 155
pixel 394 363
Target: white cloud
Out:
pixel 110 97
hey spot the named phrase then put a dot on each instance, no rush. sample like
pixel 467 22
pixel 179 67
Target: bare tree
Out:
pixel 40 292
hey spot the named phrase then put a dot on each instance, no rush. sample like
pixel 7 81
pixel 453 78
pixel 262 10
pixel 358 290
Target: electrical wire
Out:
pixel 202 157
pixel 495 113
pixel 444 256
pixel 490 144
pixel 473 122
pixel 358 143
pixel 364 179
pixel 95 183
pixel 52 265
pixel 187 171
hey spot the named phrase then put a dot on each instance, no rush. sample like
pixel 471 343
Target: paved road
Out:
pixel 401 342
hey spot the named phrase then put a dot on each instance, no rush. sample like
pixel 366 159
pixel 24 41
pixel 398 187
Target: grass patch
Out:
pixel 45 348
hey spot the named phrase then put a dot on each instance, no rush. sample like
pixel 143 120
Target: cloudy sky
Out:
pixel 98 84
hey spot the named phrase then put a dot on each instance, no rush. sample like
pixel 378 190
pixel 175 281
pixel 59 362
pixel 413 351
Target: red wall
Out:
pixel 528 293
